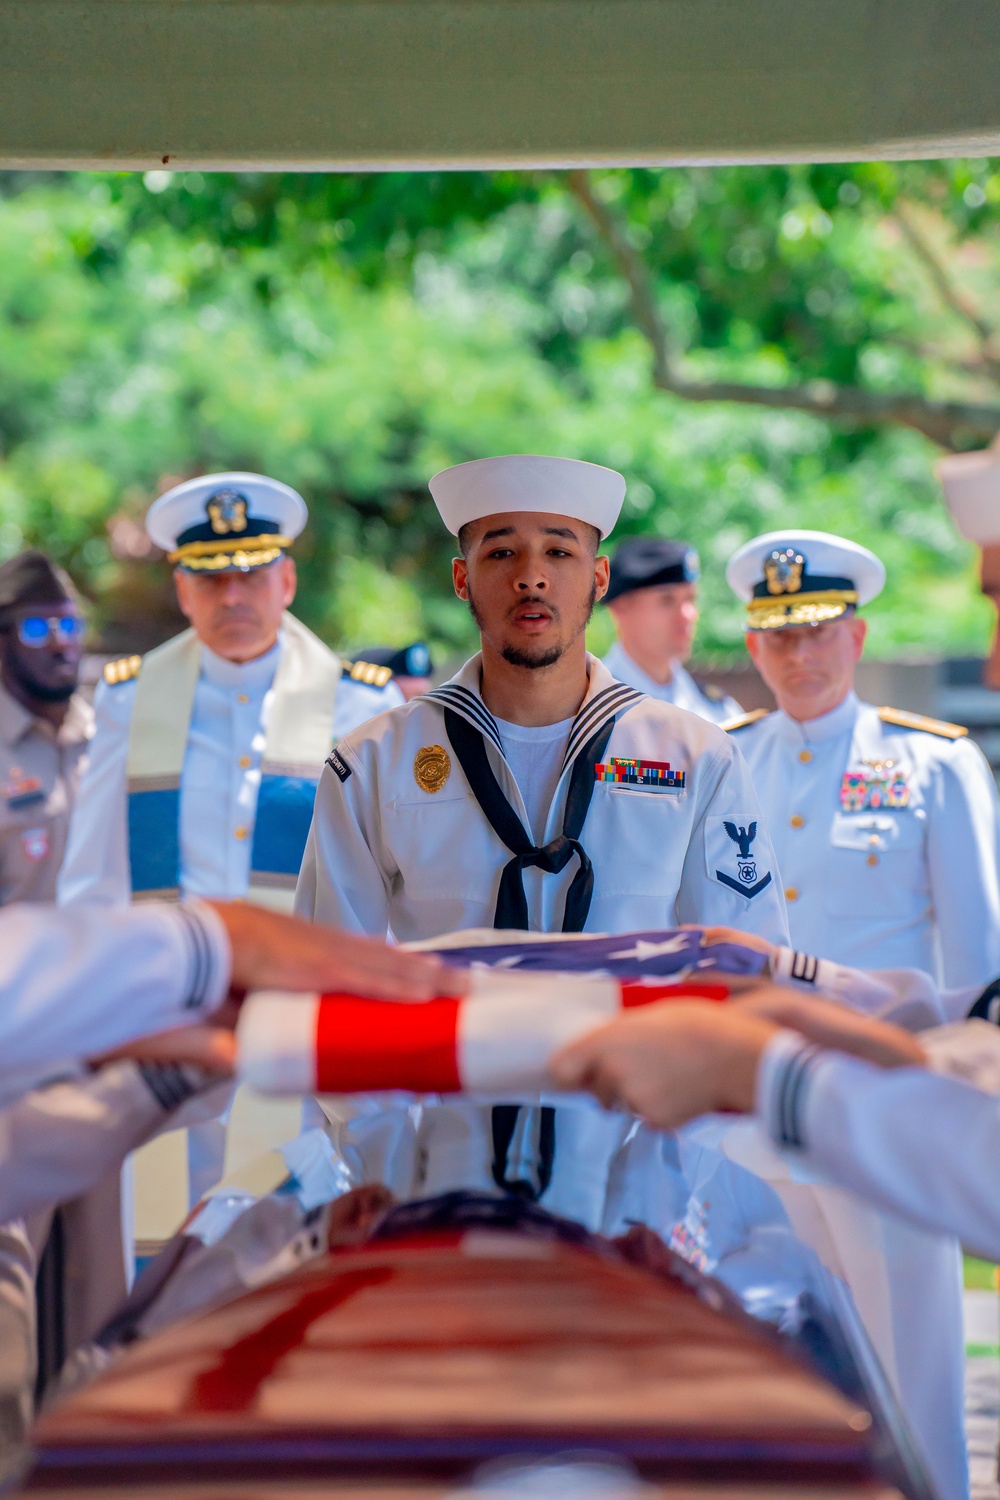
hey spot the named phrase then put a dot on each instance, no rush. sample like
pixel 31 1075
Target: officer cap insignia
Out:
pixel 783 571
pixel 227 511
pixel 741 722
pixel 367 672
pixel 123 670
pixel 431 767
pixel 901 718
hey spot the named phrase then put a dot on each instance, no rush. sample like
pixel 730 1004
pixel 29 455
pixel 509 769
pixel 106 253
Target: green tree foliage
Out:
pixel 351 334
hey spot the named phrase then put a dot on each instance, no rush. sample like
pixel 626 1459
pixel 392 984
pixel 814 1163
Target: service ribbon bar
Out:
pixel 653 775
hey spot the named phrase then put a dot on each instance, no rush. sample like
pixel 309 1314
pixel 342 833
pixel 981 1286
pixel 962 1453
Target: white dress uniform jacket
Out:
pixel 220 780
pixel 390 851
pixel 912 881
pixel 682 690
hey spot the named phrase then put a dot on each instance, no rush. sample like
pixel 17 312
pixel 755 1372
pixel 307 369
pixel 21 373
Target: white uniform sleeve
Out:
pixel 963 858
pixel 75 983
pixel 916 1143
pixel 906 997
pixel 341 882
pixel 357 702
pixel 721 885
pixel 96 867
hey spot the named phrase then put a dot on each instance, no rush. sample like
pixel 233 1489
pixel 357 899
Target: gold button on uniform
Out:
pixel 242 698
pixel 244 761
pixel 805 756
pixel 873 859
pixel 791 893
pixel 240 832
pixel 797 820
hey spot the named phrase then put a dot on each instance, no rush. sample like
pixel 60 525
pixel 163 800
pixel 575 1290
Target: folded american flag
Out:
pixel 524 1000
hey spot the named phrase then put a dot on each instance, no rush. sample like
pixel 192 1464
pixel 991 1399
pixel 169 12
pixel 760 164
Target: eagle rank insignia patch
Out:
pixel 431 767
pixel 731 856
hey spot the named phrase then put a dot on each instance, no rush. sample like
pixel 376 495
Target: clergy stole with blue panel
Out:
pixel 298 737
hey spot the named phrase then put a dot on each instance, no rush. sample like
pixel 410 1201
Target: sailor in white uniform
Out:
pixel 533 791
pixel 204 764
pixel 887 831
pixel 653 598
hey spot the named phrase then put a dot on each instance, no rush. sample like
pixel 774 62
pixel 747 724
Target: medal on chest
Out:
pixel 650 775
pixel 20 790
pixel 882 784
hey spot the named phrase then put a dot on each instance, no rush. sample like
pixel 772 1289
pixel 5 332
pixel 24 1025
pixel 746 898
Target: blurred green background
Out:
pixel 352 334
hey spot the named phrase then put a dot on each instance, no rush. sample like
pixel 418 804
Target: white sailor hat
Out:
pixel 971 484
pixel 524 481
pixel 222 522
pixel 802 578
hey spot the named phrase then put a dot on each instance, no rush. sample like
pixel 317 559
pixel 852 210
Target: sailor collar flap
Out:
pixel 605 698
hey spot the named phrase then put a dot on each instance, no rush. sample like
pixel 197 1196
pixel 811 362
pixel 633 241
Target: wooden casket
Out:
pixel 401 1368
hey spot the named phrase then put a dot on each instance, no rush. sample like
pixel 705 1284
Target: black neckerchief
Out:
pixel 524 1136
pixel 468 725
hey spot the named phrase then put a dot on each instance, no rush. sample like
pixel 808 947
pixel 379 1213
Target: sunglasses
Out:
pixel 36 630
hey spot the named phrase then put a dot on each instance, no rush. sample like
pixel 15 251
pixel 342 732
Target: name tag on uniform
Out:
pixel 641 775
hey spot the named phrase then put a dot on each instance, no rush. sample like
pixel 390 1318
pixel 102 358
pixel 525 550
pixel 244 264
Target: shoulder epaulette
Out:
pixel 368 673
pixel 743 720
pixel 903 719
pixel 123 670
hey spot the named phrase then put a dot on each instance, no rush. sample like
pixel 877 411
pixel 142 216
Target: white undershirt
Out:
pixel 535 756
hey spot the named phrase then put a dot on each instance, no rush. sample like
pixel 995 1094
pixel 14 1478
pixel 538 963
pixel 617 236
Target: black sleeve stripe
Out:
pixel 804 968
pixel 199 945
pixel 791 1095
pixel 168 1083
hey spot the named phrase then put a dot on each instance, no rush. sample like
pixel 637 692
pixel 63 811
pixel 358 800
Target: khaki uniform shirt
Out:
pixel 39 770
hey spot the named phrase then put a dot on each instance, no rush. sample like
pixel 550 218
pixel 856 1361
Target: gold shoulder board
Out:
pixel 905 720
pixel 123 670
pixel 752 717
pixel 367 672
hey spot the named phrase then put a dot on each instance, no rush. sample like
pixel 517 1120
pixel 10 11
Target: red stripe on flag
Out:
pixel 646 994
pixel 367 1045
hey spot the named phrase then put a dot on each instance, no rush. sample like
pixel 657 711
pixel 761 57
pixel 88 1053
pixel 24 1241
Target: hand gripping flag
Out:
pixel 498 1036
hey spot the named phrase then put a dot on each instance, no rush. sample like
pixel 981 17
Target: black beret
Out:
pixel 643 561
pixel 402 661
pixel 32 578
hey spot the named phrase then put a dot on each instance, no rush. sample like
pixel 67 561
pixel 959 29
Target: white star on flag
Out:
pixel 643 950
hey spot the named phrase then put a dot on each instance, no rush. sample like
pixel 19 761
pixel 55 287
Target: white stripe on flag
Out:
pixel 276 1042
pixel 510 1025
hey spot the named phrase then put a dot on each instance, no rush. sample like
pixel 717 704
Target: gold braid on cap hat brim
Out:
pixel 803 609
pixel 239 552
